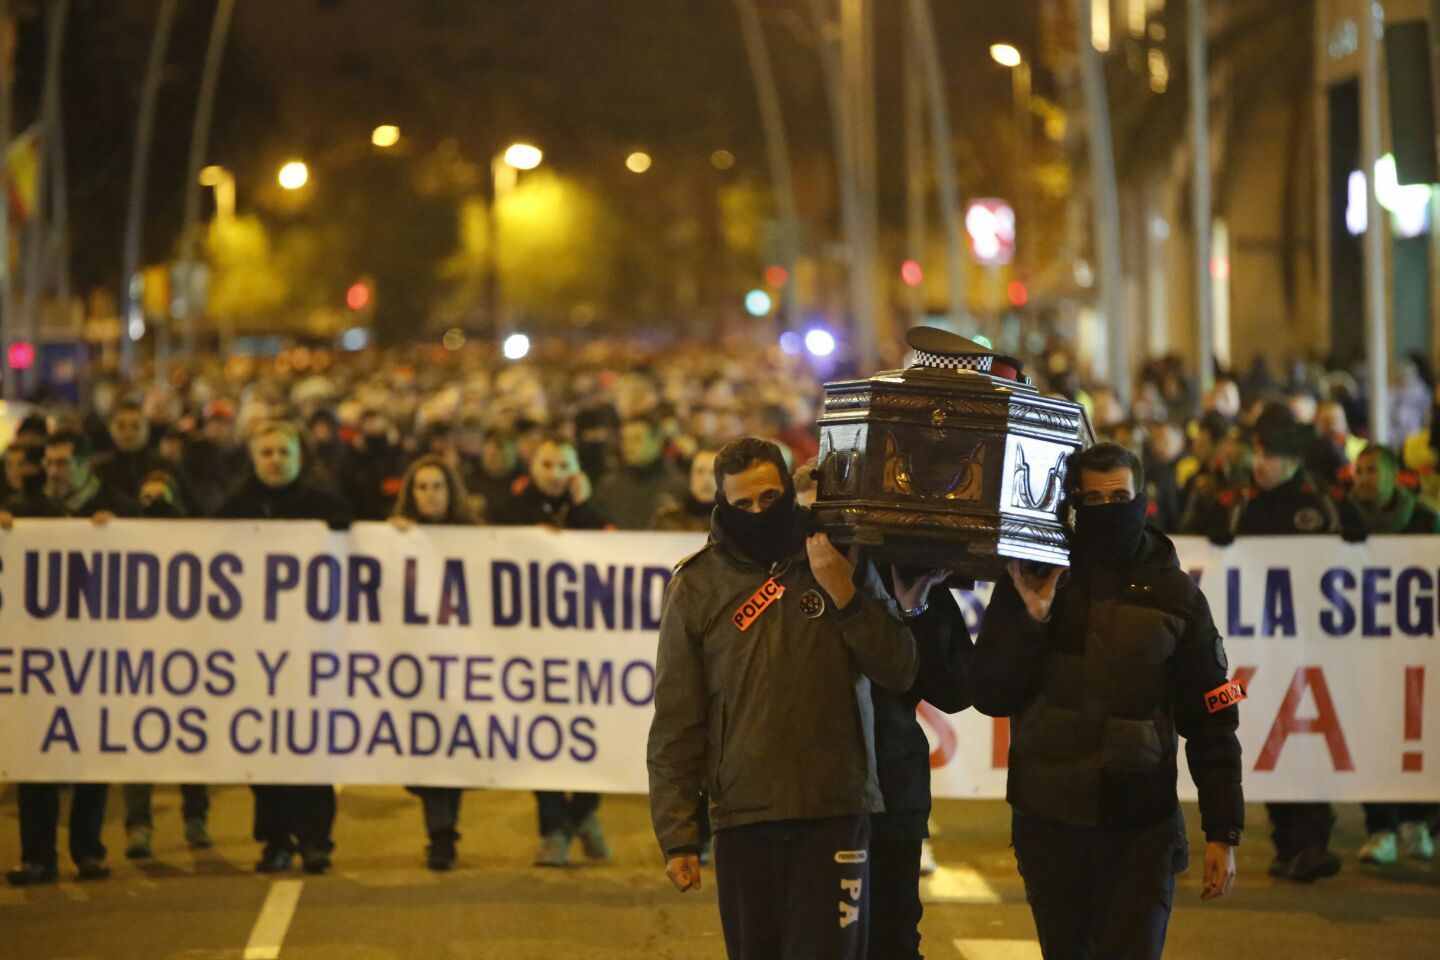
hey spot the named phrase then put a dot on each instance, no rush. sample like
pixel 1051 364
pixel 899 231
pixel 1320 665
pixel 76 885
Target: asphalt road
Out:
pixel 381 903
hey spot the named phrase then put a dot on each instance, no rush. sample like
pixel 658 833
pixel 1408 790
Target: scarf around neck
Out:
pixel 1391 518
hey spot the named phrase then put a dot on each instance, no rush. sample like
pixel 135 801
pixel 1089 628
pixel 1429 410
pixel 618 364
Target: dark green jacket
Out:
pixel 774 722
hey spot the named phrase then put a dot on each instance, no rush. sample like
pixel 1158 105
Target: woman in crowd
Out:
pixel 432 493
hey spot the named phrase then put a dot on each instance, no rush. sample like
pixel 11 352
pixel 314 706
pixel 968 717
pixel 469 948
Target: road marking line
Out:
pixel 957 885
pixel 269 931
pixel 999 949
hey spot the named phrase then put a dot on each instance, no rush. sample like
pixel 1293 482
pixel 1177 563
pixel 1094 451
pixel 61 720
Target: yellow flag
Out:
pixel 22 168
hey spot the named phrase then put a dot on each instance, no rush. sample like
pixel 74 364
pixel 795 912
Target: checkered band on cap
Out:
pixel 979 362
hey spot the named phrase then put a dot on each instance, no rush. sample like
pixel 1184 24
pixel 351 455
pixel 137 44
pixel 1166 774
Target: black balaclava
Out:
pixel 766 537
pixel 1110 532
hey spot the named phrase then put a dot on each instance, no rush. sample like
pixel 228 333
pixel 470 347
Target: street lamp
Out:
pixel 505 169
pixel 385 136
pixel 293 175
pixel 223 183
pixel 1006 55
pixel 638 162
pixel 523 156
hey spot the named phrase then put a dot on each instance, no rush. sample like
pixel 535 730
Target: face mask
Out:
pixel 376 444
pixel 766 537
pixel 1110 532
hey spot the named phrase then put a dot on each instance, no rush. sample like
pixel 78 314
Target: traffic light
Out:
pixel 358 297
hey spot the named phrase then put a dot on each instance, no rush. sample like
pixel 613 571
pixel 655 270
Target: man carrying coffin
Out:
pixel 1099 670
pixel 769 642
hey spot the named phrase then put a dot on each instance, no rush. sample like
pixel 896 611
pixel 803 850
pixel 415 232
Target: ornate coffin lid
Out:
pixel 957 398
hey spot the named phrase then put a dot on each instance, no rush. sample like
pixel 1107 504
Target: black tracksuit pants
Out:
pixel 289 817
pixel 795 889
pixel 895 909
pixel 1099 894
pixel 39 808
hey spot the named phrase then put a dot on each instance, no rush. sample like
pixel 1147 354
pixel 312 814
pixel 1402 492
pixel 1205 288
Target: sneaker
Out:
pixel 1416 841
pixel 137 843
pixel 1380 849
pixel 592 839
pixel 1280 866
pixel 554 850
pixel 196 835
pixel 315 861
pixel 275 860
pixel 440 855
pixel 1314 864
pixel 32 875
pixel 92 868
pixel 928 865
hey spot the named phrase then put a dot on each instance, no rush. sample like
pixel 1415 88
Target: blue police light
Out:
pixel 758 303
pixel 820 343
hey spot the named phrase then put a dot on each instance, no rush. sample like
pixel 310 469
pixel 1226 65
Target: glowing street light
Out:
pixel 638 162
pixel 523 156
pixel 758 303
pixel 294 175
pixel 1006 55
pixel 820 343
pixel 516 346
pixel 385 136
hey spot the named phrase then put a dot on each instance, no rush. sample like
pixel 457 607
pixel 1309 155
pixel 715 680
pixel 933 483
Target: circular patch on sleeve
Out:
pixel 1309 520
pixel 812 604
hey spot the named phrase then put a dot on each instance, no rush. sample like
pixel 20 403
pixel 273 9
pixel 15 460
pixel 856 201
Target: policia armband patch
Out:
pixel 751 609
pixel 1226 695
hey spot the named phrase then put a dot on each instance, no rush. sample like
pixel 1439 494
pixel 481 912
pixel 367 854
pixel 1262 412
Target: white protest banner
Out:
pixel 285 653
pixel 1334 644
pixel 523 658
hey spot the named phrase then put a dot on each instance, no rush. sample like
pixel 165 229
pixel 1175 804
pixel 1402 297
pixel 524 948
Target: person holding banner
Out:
pixel 287 817
pixel 71 490
pixel 1384 506
pixel 555 492
pixel 1099 670
pixel 1284 500
pixel 433 493
pixel 770 641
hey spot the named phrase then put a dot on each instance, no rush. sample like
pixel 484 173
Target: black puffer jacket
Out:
pixel 902 753
pixel 297 501
pixel 1098 693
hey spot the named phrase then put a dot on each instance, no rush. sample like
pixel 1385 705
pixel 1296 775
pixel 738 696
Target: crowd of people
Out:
pixel 578 443
pixel 628 440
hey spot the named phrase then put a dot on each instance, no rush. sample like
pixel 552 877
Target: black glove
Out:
pixel 1354 534
pixel 1221 538
pixel 339 524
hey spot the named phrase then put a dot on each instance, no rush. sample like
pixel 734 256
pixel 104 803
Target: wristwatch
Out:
pixel 914 613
